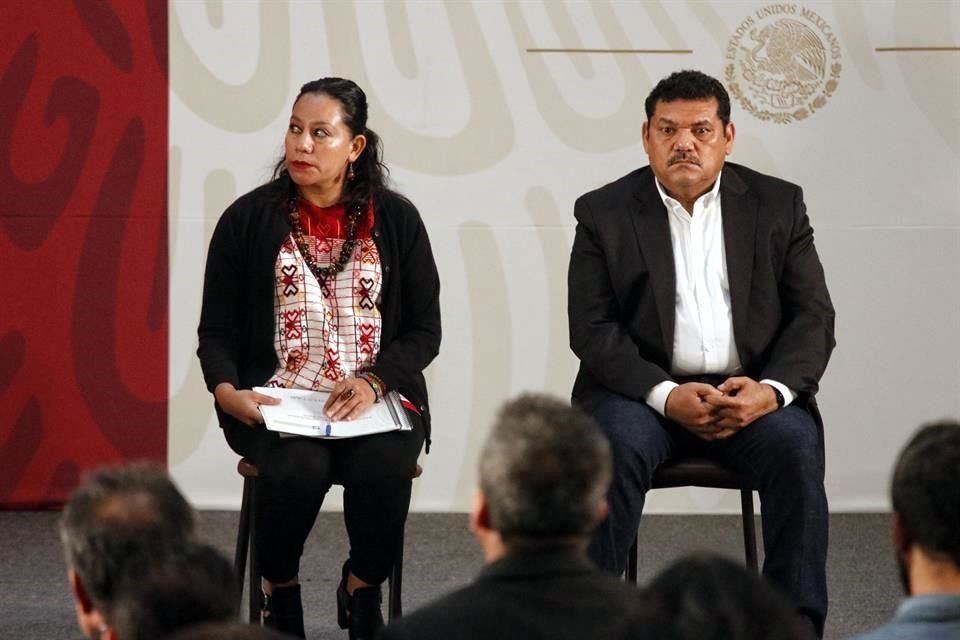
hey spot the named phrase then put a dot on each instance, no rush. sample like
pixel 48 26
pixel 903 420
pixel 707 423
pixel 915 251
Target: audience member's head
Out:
pixel 109 520
pixel 707 597
pixel 926 502
pixel 171 588
pixel 543 475
pixel 229 631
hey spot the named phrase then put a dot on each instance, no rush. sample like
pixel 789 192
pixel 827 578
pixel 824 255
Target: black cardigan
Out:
pixel 237 329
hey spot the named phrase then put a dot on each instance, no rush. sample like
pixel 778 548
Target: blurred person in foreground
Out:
pixel 229 631
pixel 925 492
pixel 171 588
pixel 543 475
pixel 708 597
pixel 112 522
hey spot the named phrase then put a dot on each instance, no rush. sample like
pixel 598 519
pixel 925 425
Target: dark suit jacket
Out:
pixel 546 594
pixel 622 285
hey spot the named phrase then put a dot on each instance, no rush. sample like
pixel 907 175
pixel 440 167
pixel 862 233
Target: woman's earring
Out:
pixel 350 174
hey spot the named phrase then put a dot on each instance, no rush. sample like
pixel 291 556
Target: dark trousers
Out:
pixel 294 476
pixel 781 455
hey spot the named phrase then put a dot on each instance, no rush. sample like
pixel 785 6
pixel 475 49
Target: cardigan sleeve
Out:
pixel 417 339
pixel 218 331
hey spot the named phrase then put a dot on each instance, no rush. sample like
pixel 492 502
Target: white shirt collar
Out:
pixel 671 202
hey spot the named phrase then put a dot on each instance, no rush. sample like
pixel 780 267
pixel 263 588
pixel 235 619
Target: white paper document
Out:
pixel 300 412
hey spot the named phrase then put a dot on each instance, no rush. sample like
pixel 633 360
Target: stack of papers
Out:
pixel 300 412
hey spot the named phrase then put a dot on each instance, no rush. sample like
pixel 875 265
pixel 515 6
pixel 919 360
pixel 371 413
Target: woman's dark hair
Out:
pixel 370 174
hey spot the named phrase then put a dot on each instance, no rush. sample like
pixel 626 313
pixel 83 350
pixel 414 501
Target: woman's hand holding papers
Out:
pixel 243 404
pixel 349 399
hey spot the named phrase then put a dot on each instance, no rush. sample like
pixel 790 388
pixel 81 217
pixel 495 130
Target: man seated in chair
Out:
pixel 926 534
pixel 543 473
pixel 700 314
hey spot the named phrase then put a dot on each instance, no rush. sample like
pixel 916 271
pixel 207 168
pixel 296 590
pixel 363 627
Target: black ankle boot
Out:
pixel 343 598
pixel 283 610
pixel 358 613
pixel 366 618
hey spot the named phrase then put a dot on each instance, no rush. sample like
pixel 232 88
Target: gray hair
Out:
pixel 112 516
pixel 544 469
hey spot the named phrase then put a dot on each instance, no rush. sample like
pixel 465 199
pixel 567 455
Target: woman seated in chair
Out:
pixel 323 279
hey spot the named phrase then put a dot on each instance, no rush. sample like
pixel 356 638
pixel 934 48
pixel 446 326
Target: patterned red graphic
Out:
pixel 327 291
pixel 83 218
pixel 368 339
pixel 292 327
pixel 322 249
pixel 369 253
pixel 331 366
pixel 364 292
pixel 289 280
pixel 295 360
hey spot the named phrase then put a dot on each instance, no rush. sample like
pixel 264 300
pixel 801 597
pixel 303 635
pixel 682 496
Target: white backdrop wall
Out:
pixel 494 142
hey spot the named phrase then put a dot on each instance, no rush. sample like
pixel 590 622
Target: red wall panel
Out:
pixel 83 242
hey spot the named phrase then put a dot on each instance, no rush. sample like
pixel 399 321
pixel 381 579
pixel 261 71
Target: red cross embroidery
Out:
pixel 291 326
pixel 331 366
pixel 365 292
pixel 295 360
pixel 367 335
pixel 289 282
pixel 368 253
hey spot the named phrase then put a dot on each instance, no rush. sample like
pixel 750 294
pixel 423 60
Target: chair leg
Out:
pixel 632 559
pixel 254 587
pixel 243 538
pixel 749 529
pixel 395 608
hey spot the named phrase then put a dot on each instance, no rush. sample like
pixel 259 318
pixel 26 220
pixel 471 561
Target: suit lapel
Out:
pixel 739 209
pixel 653 234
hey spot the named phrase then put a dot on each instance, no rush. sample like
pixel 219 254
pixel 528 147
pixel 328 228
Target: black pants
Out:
pixel 780 454
pixel 294 477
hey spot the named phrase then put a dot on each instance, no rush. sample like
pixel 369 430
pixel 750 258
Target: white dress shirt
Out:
pixel 703 335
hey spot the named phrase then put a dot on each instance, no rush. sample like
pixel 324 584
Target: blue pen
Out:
pixel 328 430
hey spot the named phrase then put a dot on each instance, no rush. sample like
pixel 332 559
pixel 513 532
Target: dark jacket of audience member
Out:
pixel 543 476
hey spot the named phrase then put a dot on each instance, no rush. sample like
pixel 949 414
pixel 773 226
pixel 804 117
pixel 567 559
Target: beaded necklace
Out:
pixel 346 251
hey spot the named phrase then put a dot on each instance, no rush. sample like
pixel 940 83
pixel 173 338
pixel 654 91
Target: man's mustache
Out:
pixel 684 158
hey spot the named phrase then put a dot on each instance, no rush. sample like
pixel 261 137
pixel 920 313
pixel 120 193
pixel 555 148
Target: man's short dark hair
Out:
pixel 544 469
pixel 707 597
pixel 926 490
pixel 173 587
pixel 112 515
pixel 689 85
pixel 229 631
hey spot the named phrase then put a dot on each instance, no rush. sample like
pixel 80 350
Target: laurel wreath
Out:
pixel 783 117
